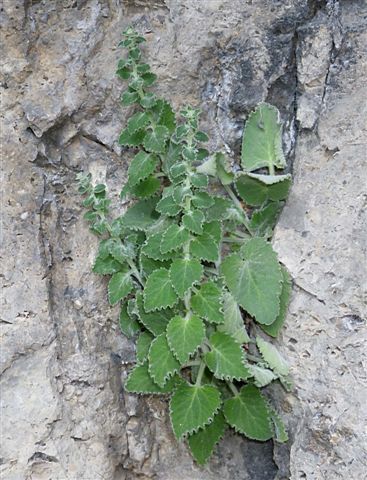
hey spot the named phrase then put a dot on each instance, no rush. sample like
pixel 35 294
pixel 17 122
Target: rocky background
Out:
pixel 65 415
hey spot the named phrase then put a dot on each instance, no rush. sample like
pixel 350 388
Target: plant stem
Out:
pixel 192 363
pixel 200 374
pixel 237 204
pixel 135 272
pixel 232 388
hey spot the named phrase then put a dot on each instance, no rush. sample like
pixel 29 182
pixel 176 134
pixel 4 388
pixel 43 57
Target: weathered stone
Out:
pixel 65 413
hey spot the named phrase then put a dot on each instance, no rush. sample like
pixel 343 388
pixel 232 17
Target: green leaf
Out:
pixel 149 78
pixel 131 139
pixel 141 167
pixel 140 216
pixel 258 189
pixel 209 167
pixel 199 180
pixel 248 414
pixel 128 325
pixel 214 229
pixel 189 153
pixel 193 221
pixel 263 376
pixel 202 200
pixel 149 100
pixel 158 292
pixel 152 248
pixel 106 265
pixel 219 210
pixel 148 265
pixel 180 193
pixel 184 273
pixel 168 206
pixel 162 363
pixel 262 140
pixel 201 137
pixel 263 221
pixel 167 117
pixel 192 407
pixel 137 122
pixel 224 171
pixel 142 346
pixel 205 247
pixel 120 251
pixel 276 326
pixel 155 139
pixel 185 335
pixel 226 358
pixel 203 442
pixel 147 187
pixel 233 321
pixel 254 278
pixel 272 357
pixel 155 322
pixel 208 302
pixel 128 98
pixel 281 435
pixel 139 381
pixel 119 286
pixel 174 238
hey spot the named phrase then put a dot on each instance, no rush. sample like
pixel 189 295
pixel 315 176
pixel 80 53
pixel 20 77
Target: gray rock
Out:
pixel 65 415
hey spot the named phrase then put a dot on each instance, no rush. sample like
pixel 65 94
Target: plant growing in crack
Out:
pixel 198 282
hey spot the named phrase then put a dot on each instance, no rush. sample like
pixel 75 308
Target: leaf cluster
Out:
pixel 197 281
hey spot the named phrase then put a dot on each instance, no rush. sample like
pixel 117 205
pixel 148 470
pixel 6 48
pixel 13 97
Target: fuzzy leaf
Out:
pixel 180 193
pixel 263 376
pixel 119 286
pixel 233 321
pixel 257 189
pixel 192 407
pixel 158 292
pixel 281 435
pixel 149 100
pixel 128 325
pixel 139 381
pixel 140 216
pixel 248 414
pixel 226 358
pixel 147 187
pixel 106 265
pixel 254 278
pixel 205 247
pixel 162 363
pixel 202 200
pixel 184 336
pixel 272 357
pixel 219 210
pixel 142 346
pixel 263 221
pixel 148 265
pixel 155 139
pixel 155 322
pixel 137 122
pixel 184 273
pixel 262 140
pixel 174 238
pixel 213 229
pixel 168 206
pixel 131 139
pixel 193 221
pixel 203 442
pixel 128 98
pixel 119 250
pixel 276 326
pixel 141 166
pixel 167 116
pixel 152 248
pixel 199 180
pixel 208 302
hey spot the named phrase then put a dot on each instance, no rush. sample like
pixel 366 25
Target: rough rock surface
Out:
pixel 65 415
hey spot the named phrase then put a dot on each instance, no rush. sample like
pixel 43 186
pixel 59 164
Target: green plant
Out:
pixel 197 280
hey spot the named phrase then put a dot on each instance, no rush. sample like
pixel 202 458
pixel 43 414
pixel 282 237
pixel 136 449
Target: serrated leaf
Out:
pixel 131 139
pixel 202 200
pixel 120 251
pixel 177 170
pixel 258 189
pixel 158 292
pixel 262 140
pixel 141 167
pixel 272 357
pixel 119 286
pixel 263 221
pixel 155 139
pixel 254 278
pixel 193 221
pixel 174 238
pixel 192 407
pixel 233 321
pixel 155 322
pixel 203 442
pixel 106 265
pixel 147 187
pixel 168 206
pixel 149 100
pixel 281 435
pixel 276 326
pixel 162 363
pixel 128 326
pixel 248 414
pixel 219 210
pixel 180 193
pixel 185 335
pixel 148 265
pixel 263 376
pixel 226 358
pixel 140 216
pixel 128 98
pixel 201 136
pixel 149 78
pixel 142 346
pixel 214 229
pixel 152 248
pixel 224 172
pixel 189 153
pixel 209 167
pixel 204 247
pixel 140 381
pixel 199 180
pixel 207 303
pixel 167 117
pixel 184 273
pixel 138 121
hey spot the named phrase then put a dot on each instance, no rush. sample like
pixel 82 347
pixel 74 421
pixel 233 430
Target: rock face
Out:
pixel 65 415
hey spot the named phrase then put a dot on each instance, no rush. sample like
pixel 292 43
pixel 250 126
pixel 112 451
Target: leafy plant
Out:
pixel 197 280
